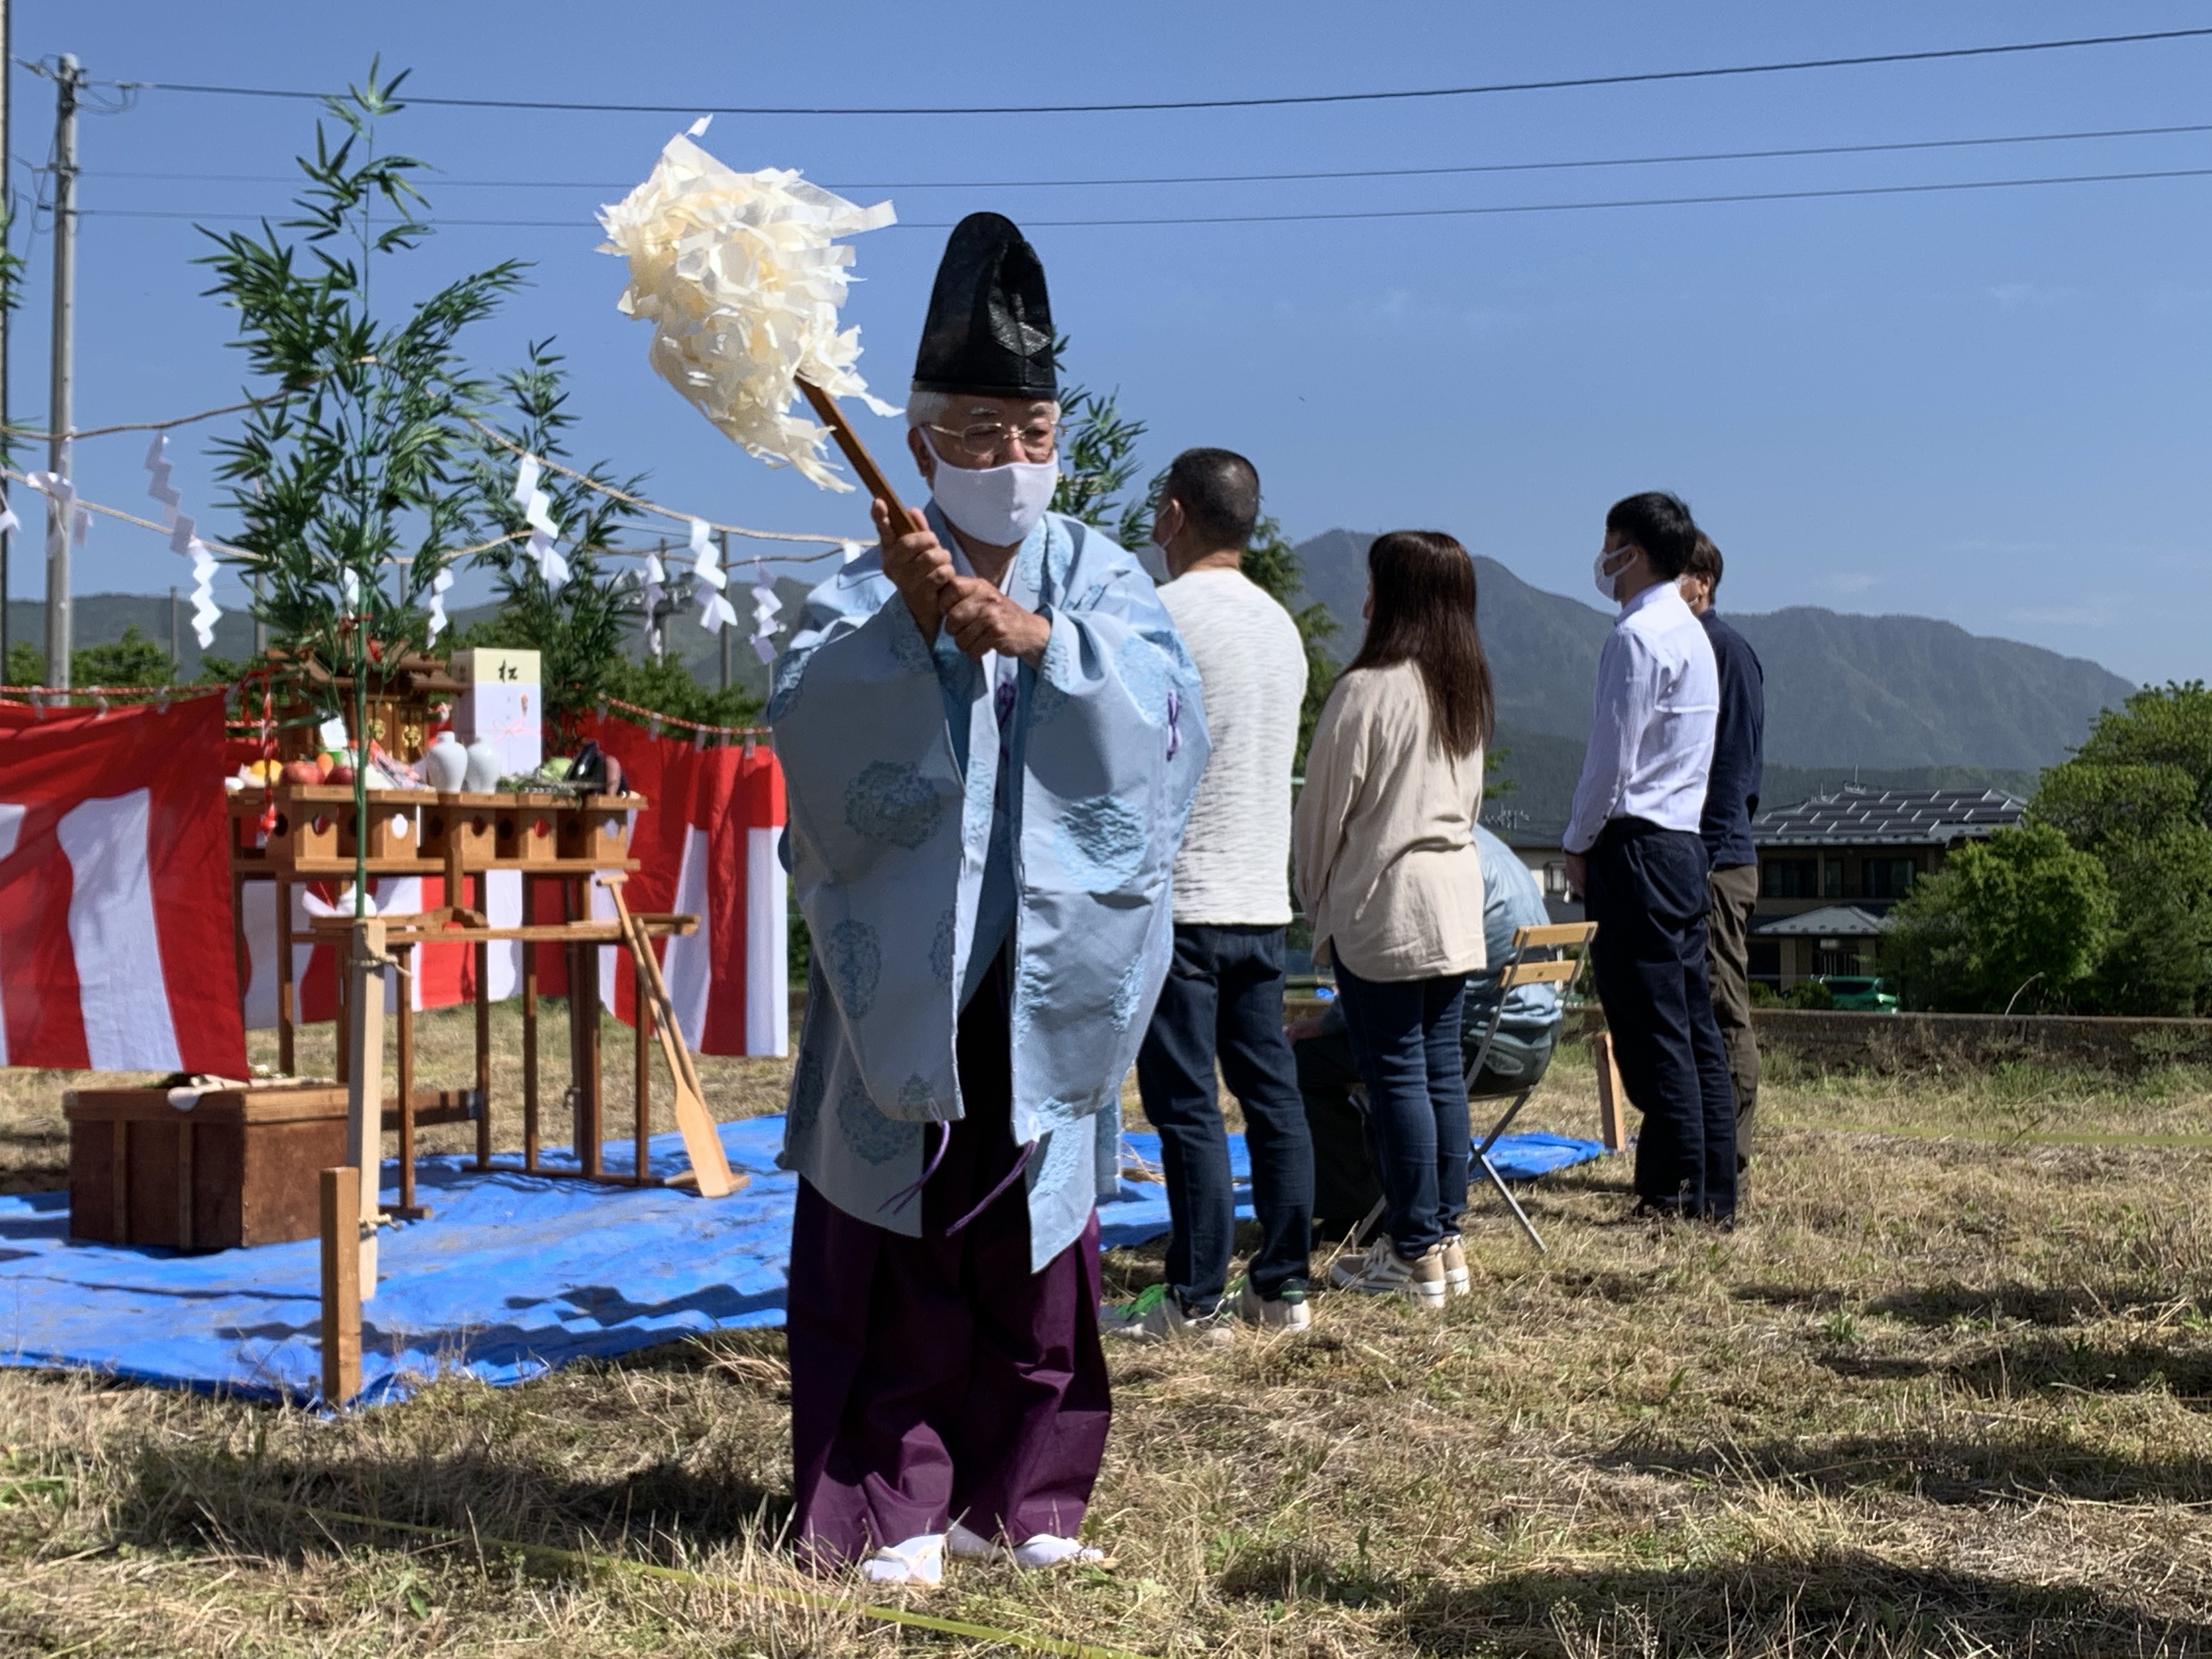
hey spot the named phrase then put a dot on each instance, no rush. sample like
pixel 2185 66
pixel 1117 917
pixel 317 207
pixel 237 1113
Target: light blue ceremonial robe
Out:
pixel 939 818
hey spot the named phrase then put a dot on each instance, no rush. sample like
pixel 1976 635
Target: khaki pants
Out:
pixel 1728 926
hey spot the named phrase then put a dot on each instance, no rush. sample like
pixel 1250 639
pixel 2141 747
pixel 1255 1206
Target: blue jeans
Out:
pixel 1405 1039
pixel 1223 997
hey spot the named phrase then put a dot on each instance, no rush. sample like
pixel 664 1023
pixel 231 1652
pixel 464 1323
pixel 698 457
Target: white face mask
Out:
pixel 997 505
pixel 1153 556
pixel 1604 576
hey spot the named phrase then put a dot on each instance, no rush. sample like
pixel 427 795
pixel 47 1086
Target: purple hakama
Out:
pixel 936 1379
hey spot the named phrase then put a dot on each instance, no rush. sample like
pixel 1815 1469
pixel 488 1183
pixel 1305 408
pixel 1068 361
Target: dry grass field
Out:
pixel 1946 1390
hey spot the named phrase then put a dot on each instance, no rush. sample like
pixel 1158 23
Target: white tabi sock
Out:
pixel 920 1560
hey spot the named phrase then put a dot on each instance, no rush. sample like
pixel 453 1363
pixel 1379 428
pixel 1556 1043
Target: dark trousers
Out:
pixel 938 1379
pixel 1223 999
pixel 1646 891
pixel 1345 1187
pixel 1727 927
pixel 1405 1037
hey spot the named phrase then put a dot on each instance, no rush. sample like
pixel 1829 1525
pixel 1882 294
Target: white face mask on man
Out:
pixel 1153 555
pixel 998 506
pixel 1604 572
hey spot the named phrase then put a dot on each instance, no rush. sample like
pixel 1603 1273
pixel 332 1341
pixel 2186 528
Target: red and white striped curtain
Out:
pixel 115 948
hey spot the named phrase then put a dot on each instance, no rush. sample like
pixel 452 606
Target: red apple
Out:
pixel 340 774
pixel 302 771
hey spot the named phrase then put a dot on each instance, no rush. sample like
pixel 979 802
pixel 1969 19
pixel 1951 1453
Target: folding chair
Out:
pixel 1540 957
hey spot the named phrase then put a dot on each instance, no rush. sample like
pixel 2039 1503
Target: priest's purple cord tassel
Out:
pixel 906 1195
pixel 1174 729
pixel 991 1197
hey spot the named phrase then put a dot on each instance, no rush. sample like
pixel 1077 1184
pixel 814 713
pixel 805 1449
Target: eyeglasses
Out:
pixel 986 439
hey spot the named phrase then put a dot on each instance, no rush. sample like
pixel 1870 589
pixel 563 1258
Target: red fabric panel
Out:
pixel 51 766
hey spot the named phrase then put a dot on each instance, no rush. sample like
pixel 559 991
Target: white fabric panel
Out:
pixel 612 958
pixel 121 995
pixel 399 895
pixel 11 827
pixel 503 957
pixel 767 942
pixel 689 965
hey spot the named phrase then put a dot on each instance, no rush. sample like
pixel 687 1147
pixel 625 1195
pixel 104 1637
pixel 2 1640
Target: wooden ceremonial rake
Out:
pixel 701 1145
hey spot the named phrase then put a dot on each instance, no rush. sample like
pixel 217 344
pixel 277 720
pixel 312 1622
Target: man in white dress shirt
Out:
pixel 1634 853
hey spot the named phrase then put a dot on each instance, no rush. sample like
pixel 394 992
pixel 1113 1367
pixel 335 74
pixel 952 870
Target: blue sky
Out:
pixel 1986 406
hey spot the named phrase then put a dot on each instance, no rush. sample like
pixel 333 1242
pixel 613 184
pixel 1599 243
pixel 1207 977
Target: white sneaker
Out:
pixel 1457 1281
pixel 1156 1316
pixel 1287 1311
pixel 1042 1551
pixel 1383 1272
pixel 920 1560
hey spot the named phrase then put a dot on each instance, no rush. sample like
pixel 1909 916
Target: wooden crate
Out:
pixel 238 1169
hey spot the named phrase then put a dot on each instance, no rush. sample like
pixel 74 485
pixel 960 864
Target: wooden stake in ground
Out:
pixel 365 965
pixel 342 1236
pixel 1611 1094
pixel 701 1145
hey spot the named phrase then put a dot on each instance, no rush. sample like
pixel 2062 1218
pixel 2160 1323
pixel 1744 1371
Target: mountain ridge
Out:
pixel 1844 689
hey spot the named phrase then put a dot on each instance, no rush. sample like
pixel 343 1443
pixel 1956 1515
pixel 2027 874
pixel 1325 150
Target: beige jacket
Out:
pixel 1384 840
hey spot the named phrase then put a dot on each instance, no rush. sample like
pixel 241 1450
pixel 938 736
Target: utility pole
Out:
pixel 723 537
pixel 59 417
pixel 176 656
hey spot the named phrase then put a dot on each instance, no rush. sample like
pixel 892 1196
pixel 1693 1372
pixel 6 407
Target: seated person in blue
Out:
pixel 1345 1187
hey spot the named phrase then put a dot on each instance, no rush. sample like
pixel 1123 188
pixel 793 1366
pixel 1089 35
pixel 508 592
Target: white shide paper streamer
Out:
pixel 183 541
pixel 766 612
pixel 741 276
pixel 538 510
pixel 708 581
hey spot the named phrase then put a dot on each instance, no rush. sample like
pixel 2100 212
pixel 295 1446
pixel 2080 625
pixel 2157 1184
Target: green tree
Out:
pixel 134 659
pixel 2138 795
pixel 352 463
pixel 2022 912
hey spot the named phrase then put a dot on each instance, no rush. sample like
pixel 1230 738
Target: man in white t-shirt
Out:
pixel 1224 996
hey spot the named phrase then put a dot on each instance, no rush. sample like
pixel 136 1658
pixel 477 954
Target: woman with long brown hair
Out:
pixel 1390 879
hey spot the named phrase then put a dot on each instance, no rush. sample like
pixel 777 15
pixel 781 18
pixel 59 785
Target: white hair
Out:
pixel 930 407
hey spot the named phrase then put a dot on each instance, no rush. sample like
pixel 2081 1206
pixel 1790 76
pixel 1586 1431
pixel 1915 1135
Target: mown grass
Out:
pixel 1933 1396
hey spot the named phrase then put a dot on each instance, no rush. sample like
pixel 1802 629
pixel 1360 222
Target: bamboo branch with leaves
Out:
pixel 351 475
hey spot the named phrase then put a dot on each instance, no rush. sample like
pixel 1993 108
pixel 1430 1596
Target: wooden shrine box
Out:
pixel 599 829
pixel 238 1169
pixel 529 828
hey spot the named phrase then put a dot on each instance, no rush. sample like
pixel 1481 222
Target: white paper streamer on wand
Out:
pixel 767 612
pixel 741 276
pixel 715 611
pixel 656 585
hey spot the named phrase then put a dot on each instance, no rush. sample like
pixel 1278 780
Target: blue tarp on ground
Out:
pixel 515 1274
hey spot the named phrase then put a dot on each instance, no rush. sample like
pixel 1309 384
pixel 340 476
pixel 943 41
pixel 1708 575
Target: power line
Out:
pixel 1156 105
pixel 580 224
pixel 434 182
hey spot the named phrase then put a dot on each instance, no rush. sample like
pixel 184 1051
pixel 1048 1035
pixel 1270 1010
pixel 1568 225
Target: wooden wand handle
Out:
pixel 871 476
